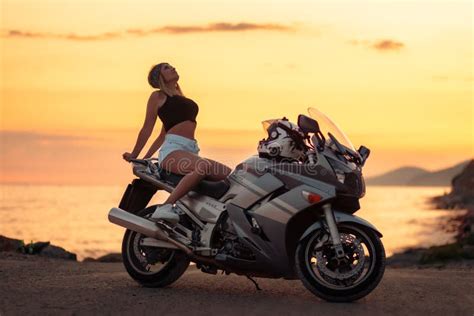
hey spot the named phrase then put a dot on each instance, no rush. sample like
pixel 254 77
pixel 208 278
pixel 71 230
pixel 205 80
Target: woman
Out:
pixel 178 148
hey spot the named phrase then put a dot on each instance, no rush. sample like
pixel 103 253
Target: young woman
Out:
pixel 178 149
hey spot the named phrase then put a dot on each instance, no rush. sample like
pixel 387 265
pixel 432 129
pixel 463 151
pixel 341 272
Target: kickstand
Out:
pixel 254 282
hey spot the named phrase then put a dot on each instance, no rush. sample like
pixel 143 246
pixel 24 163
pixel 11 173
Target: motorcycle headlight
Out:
pixel 340 175
pixel 339 169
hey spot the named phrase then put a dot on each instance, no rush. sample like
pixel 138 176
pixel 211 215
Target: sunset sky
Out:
pixel 397 76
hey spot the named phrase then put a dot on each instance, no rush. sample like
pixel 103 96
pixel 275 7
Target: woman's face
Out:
pixel 169 73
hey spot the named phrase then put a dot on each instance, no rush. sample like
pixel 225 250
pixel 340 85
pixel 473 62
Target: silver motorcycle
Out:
pixel 270 218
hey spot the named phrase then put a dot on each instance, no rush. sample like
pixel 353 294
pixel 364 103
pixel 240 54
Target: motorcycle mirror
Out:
pixel 364 153
pixel 307 124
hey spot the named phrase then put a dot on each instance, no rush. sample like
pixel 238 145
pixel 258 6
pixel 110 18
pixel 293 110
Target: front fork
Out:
pixel 336 238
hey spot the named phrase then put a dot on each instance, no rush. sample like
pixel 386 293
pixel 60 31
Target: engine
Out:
pixel 226 240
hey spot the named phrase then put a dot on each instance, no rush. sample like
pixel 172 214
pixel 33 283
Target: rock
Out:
pixel 444 253
pixel 468 251
pixel 408 258
pixel 111 257
pixel 41 248
pixel 462 192
pixel 34 248
pixel 463 184
pixel 10 244
pixel 88 259
pixel 57 253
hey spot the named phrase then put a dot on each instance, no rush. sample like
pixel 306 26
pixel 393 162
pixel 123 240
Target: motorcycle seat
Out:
pixel 214 189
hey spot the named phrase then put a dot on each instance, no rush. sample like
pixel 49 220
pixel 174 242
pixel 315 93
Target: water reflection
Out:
pixel 406 217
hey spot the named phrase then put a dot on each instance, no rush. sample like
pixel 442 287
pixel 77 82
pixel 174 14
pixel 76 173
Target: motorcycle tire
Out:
pixel 352 293
pixel 174 268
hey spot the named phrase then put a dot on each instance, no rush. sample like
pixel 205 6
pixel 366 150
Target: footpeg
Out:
pixel 208 269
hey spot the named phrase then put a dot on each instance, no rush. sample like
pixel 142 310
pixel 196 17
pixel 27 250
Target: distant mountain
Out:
pixel 441 177
pixel 400 176
pixel 414 176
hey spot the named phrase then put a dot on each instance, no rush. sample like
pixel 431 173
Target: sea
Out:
pixel 75 217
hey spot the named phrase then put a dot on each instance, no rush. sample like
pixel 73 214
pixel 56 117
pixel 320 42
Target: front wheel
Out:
pixel 151 266
pixel 341 279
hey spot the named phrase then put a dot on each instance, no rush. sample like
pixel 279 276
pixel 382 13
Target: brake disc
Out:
pixel 333 269
pixel 149 255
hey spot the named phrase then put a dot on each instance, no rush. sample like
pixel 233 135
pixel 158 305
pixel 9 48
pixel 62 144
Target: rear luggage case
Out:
pixel 137 196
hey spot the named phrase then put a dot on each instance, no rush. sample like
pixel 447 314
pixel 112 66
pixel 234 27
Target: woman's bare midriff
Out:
pixel 185 129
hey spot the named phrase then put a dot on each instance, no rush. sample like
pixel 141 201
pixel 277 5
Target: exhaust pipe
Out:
pixel 145 227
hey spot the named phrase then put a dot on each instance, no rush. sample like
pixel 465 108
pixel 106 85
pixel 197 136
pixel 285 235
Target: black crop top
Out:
pixel 177 109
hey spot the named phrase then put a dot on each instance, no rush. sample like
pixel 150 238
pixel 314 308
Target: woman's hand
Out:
pixel 128 156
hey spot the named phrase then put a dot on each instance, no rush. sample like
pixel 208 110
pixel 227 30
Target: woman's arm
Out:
pixel 156 144
pixel 147 128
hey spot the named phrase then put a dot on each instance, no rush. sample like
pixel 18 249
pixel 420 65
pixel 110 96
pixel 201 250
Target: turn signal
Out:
pixel 312 197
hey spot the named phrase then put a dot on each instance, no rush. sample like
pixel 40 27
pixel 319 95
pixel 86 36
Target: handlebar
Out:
pixel 139 161
pixel 143 161
pixel 151 167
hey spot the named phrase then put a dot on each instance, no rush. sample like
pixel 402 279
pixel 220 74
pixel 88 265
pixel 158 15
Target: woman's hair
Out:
pixel 155 79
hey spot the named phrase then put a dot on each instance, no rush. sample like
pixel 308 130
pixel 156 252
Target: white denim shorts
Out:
pixel 174 142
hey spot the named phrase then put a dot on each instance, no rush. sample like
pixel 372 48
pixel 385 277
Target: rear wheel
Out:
pixel 341 279
pixel 151 266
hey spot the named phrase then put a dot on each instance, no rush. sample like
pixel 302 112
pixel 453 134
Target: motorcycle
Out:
pixel 269 218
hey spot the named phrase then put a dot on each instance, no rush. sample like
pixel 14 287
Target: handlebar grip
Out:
pixel 139 161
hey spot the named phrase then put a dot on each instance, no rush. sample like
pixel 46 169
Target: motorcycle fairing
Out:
pixel 254 190
pixel 272 217
pixel 264 254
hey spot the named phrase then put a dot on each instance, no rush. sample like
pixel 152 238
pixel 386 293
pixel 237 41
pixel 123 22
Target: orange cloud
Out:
pixel 170 29
pixel 72 36
pixel 388 45
pixel 103 36
pixel 380 45
pixel 225 27
pixel 16 33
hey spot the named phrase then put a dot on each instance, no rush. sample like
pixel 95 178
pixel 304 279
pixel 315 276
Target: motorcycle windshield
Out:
pixel 326 125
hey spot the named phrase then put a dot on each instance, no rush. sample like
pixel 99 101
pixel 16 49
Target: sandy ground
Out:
pixel 31 285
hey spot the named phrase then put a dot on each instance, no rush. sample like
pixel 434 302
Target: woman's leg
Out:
pixel 194 168
pixel 219 170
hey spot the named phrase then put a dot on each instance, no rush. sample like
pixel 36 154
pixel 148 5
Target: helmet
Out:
pixel 285 140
